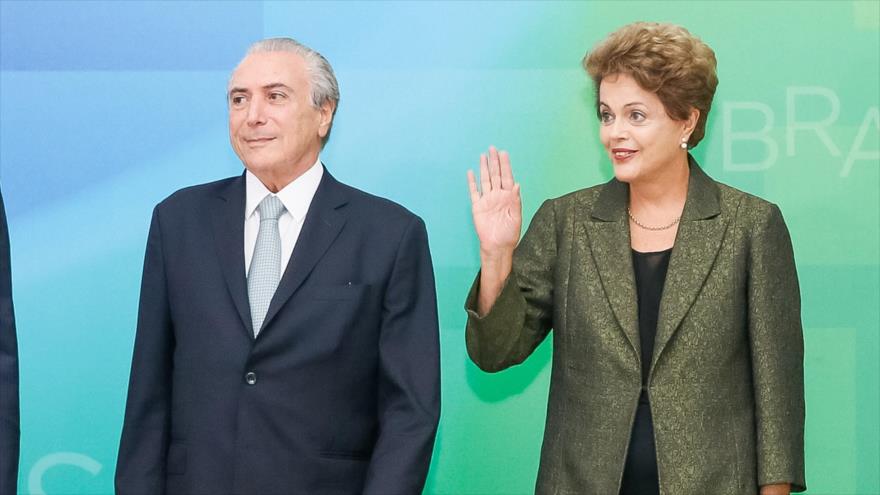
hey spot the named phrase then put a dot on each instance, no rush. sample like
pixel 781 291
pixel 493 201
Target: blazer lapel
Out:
pixel 608 234
pixel 696 248
pixel 228 218
pixel 321 227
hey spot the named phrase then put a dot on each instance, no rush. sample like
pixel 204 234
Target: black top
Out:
pixel 650 270
pixel 640 471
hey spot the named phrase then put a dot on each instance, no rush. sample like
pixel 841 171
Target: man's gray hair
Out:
pixel 324 87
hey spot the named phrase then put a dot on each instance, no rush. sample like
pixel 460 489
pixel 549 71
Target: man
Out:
pixel 9 423
pixel 287 336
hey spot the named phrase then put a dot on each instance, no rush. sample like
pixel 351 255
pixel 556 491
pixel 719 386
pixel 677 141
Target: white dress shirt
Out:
pixel 296 198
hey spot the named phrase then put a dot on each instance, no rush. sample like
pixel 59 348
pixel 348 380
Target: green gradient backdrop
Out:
pixel 425 88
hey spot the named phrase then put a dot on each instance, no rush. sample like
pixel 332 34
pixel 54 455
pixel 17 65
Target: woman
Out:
pixel 678 353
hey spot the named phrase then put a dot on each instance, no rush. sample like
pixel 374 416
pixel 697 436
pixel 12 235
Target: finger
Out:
pixel 472 185
pixel 494 168
pixel 485 185
pixel 516 212
pixel 506 171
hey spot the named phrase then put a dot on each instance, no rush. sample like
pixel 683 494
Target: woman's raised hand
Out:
pixel 496 206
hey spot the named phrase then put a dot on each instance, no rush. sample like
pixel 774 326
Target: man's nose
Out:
pixel 255 113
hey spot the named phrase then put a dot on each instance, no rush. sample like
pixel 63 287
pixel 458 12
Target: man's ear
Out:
pixel 326 116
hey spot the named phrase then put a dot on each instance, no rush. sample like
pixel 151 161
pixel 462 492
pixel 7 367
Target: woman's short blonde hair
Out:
pixel 664 59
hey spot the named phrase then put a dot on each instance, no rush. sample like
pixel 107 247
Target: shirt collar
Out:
pixel 296 196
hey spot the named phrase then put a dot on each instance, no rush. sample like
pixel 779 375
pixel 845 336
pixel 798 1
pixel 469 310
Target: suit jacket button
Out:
pixel 250 378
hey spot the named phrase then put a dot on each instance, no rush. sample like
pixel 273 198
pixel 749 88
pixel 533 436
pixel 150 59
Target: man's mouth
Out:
pixel 259 142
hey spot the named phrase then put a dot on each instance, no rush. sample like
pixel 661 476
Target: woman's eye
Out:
pixel 637 116
pixel 606 117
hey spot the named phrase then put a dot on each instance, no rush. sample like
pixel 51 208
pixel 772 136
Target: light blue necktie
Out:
pixel 265 270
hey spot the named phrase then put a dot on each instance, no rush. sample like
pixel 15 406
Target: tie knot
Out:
pixel 270 208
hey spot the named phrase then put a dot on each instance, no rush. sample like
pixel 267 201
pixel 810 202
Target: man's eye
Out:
pixel 277 96
pixel 237 100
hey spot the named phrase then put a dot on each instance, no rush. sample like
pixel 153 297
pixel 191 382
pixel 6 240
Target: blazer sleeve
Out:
pixel 777 350
pixel 522 315
pixel 408 398
pixel 140 467
pixel 9 399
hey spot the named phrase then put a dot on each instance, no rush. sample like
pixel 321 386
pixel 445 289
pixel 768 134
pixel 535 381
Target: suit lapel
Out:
pixel 696 249
pixel 608 234
pixel 228 219
pixel 322 225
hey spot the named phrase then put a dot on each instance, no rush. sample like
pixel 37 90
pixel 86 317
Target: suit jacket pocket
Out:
pixel 337 292
pixel 346 455
pixel 176 460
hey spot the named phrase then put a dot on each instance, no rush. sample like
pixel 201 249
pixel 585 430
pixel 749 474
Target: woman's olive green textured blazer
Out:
pixel 726 379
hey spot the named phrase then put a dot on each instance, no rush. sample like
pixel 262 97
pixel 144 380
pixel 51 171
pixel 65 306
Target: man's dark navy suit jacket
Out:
pixel 339 393
pixel 9 421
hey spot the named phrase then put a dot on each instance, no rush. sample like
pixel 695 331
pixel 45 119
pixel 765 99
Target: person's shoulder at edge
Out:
pixel 196 193
pixel 748 208
pixel 578 202
pixel 371 208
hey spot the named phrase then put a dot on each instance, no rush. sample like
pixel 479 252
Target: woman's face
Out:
pixel 642 141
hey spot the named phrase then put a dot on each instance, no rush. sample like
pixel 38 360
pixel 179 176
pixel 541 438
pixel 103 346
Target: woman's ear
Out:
pixel 691 122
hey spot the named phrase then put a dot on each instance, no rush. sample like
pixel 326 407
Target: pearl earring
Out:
pixel 684 143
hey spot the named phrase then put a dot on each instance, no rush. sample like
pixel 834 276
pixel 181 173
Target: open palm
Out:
pixel 496 207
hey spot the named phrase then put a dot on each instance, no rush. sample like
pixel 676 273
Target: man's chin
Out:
pixel 260 167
